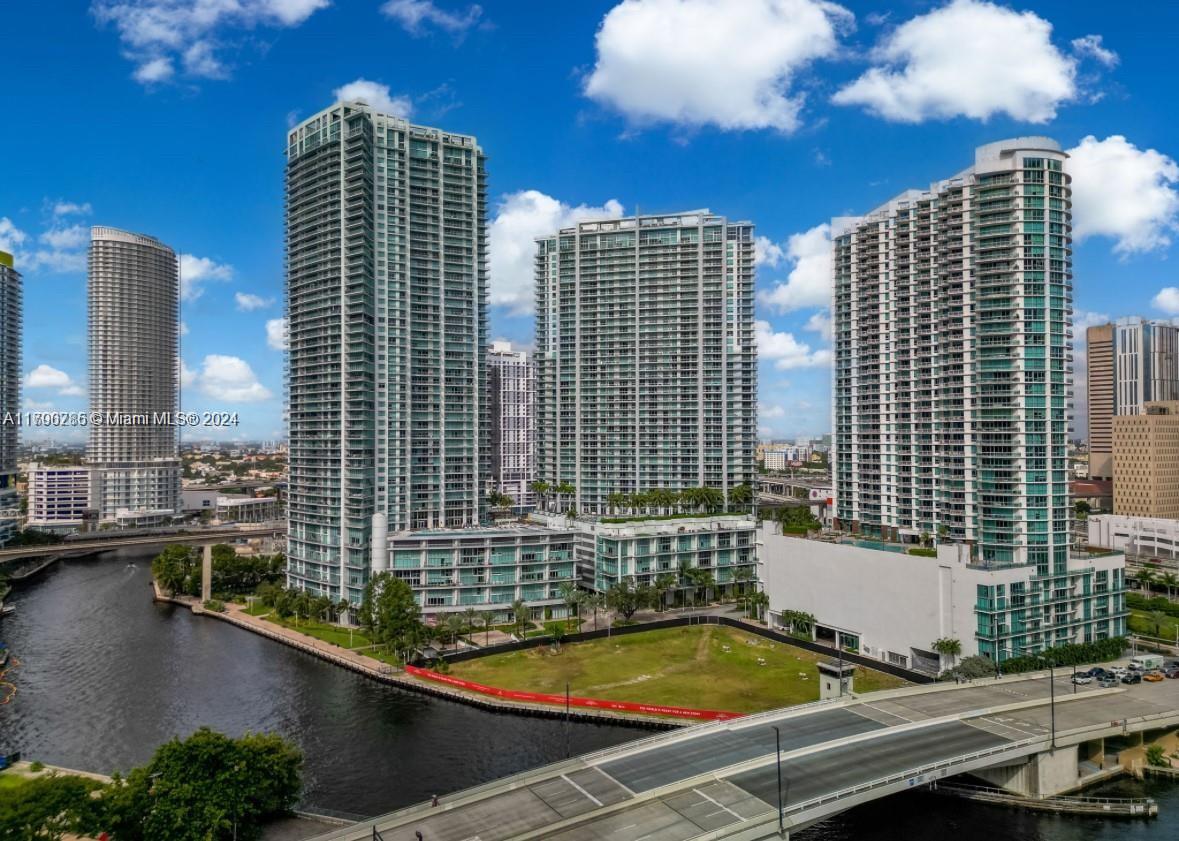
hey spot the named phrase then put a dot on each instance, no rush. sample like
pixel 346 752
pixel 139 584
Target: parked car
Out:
pixel 1119 672
pixel 1172 672
pixel 1082 678
pixel 1131 678
pixel 1153 676
pixel 1109 682
pixel 1096 672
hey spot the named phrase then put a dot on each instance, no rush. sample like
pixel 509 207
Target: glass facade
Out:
pixel 386 260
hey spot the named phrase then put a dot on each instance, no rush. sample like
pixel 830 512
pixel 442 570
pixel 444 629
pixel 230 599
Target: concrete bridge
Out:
pixel 197 537
pixel 1027 734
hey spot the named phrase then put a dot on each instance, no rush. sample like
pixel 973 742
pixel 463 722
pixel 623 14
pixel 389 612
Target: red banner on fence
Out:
pixel 592 703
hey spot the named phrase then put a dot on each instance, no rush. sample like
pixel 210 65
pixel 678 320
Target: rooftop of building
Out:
pixel 106 233
pixel 685 218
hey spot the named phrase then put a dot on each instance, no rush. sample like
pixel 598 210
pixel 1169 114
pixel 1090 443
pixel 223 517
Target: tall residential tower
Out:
pixel 134 295
pixel 952 380
pixel 512 401
pixel 646 357
pixel 10 345
pixel 386 259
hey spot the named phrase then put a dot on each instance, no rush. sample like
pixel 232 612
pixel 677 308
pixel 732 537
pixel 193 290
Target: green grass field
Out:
pixel 708 667
pixel 1141 622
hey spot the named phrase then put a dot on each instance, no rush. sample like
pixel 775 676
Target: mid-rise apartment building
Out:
pixel 1146 462
pixel 952 314
pixel 134 299
pixel 59 496
pixel 386 270
pixel 11 314
pixel 1132 362
pixel 512 409
pixel 646 357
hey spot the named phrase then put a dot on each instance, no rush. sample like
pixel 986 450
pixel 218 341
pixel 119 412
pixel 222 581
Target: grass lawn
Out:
pixel 9 780
pixel 687 667
pixel 1141 622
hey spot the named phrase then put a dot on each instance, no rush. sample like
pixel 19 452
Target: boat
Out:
pixel 6 609
pixel 3 655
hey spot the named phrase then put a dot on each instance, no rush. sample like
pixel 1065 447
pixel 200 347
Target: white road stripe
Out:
pixel 597 802
pixel 718 803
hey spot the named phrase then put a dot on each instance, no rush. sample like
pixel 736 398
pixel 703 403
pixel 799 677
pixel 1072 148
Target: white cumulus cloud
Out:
pixel 70 208
pixel 68 238
pixel 785 351
pixel 46 376
pixel 766 252
pixel 1123 192
pixel 1167 300
pixel 11 237
pixel 726 63
pixel 155 34
pixel 969 58
pixel 519 220
pixel 809 281
pixel 415 15
pixel 248 301
pixel 376 95
pixel 229 378
pixel 276 334
pixel 820 323
pixel 195 271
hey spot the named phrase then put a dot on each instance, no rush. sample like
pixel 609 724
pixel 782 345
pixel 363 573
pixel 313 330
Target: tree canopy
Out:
pixel 389 614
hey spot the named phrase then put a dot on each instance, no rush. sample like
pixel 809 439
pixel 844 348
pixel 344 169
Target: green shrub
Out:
pixel 1073 654
pixel 922 552
pixel 215 605
pixel 37 767
pixel 1156 755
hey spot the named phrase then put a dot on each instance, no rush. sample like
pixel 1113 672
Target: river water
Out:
pixel 105 676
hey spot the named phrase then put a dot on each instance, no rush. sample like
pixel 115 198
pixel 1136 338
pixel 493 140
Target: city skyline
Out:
pixel 845 146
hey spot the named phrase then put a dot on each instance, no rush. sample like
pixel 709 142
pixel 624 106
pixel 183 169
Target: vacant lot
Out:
pixel 709 667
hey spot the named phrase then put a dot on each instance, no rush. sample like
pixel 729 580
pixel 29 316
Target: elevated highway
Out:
pixel 194 537
pixel 720 781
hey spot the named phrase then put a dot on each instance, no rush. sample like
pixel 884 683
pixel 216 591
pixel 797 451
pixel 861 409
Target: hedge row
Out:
pixel 1073 654
pixel 1137 601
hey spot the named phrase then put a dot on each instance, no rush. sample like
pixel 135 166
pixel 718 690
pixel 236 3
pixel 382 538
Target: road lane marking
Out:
pixel 582 790
pixel 718 803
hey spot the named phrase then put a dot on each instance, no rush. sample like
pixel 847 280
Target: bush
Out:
pixel 971 668
pixel 37 767
pixel 1156 755
pixel 1074 654
pixel 1137 601
pixel 922 552
pixel 215 605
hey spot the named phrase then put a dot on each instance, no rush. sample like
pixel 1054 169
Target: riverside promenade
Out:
pixel 375 669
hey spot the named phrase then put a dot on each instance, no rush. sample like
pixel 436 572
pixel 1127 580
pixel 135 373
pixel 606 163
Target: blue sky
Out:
pixel 168 117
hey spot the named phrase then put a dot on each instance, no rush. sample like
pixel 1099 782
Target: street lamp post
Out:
pixel 781 810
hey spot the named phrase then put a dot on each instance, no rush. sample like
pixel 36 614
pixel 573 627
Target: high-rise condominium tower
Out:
pixel 512 403
pixel 386 305
pixel 134 294
pixel 952 319
pixel 1131 363
pixel 646 358
pixel 10 343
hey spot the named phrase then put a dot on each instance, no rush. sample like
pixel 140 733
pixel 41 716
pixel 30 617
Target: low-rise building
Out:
pixel 1148 537
pixel 59 496
pixel 783 457
pixel 247 509
pixel 640 550
pixel 451 570
pixel 878 599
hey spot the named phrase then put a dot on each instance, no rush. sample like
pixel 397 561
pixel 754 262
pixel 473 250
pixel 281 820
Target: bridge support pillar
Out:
pixel 206 572
pixel 1043 775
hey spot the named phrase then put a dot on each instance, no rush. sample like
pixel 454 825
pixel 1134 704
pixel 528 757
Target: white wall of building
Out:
pixel 1154 536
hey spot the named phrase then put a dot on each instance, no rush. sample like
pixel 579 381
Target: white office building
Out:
pixel 59 496
pixel 1146 537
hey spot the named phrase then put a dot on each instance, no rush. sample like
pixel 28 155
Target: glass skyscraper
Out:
pixel 952 380
pixel 386 270
pixel 646 357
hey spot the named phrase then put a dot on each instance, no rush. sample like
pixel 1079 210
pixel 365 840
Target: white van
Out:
pixel 1146 662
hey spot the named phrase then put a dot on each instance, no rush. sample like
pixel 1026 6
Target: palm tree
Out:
pixel 666 585
pixel 713 499
pixel 541 489
pixel 563 489
pixel 1170 581
pixel 520 614
pixel 595 601
pixel 948 647
pixel 488 620
pixel 692 498
pixel 740 495
pixel 742 576
pixel 615 501
pixel 470 615
pixel 571 596
pixel 1145 578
